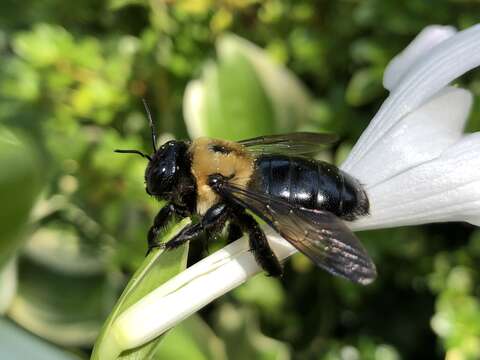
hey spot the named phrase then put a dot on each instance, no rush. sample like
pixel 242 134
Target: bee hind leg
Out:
pixel 259 245
pixel 234 232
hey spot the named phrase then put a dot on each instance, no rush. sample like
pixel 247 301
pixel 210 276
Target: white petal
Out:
pixel 418 137
pixel 443 64
pixel 429 37
pixel 444 189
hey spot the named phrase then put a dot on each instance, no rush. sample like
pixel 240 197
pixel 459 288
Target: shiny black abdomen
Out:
pixel 312 184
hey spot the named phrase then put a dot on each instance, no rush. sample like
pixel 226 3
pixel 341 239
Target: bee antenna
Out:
pixel 152 126
pixel 133 152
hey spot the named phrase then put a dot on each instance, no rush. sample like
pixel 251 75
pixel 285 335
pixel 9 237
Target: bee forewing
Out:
pixel 298 143
pixel 320 235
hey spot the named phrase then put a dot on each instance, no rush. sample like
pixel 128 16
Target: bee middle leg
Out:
pixel 211 223
pixel 234 232
pixel 259 245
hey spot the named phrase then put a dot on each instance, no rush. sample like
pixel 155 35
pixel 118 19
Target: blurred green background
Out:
pixel 74 215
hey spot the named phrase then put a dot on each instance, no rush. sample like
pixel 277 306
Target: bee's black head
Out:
pixel 165 168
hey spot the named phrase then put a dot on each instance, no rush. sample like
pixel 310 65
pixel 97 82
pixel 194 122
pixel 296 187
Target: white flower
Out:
pixel 413 159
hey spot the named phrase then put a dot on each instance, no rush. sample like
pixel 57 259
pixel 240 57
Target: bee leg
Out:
pixel 211 223
pixel 259 245
pixel 160 221
pixel 234 232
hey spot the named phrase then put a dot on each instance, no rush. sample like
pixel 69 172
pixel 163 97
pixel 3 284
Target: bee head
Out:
pixel 164 168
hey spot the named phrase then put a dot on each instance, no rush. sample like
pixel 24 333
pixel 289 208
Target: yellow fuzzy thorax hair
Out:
pixel 211 156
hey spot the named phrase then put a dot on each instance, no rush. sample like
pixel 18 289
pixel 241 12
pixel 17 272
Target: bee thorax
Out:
pixel 228 159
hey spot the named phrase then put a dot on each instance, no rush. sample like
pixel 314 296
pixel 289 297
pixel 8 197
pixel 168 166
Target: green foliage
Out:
pixel 243 339
pixel 228 89
pixel 19 185
pixel 72 75
pixel 457 306
pixel 192 339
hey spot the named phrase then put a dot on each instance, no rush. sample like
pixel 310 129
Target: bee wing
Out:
pixel 297 143
pixel 320 235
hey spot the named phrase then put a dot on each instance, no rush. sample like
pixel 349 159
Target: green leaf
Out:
pixel 19 187
pixel 43 46
pixel 19 80
pixel 246 90
pixel 158 267
pixel 290 98
pixel 234 95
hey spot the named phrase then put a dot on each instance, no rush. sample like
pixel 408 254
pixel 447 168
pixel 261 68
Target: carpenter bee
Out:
pixel 304 200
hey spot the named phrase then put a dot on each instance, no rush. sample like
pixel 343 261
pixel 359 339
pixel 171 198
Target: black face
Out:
pixel 164 169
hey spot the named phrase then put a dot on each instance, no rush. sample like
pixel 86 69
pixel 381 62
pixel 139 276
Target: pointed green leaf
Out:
pixel 246 90
pixel 290 98
pixel 236 105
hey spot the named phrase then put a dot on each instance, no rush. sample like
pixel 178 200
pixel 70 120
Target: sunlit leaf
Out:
pixel 233 93
pixel 19 80
pixel 290 98
pixel 43 46
pixel 246 89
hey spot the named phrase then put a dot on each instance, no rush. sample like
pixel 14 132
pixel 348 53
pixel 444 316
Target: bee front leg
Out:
pixel 160 221
pixel 212 222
